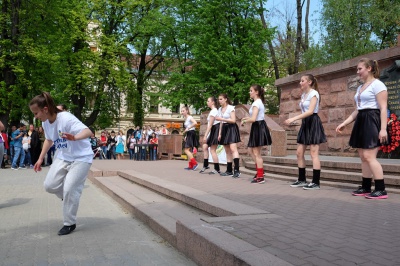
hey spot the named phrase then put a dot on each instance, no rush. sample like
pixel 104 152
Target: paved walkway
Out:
pixel 323 227
pixel 30 219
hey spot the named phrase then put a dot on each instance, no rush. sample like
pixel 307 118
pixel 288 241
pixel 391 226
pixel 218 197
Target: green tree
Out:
pixel 227 53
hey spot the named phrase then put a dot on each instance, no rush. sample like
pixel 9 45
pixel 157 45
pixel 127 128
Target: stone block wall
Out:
pixel 337 84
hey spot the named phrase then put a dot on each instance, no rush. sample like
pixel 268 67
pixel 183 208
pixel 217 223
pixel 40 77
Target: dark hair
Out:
pixel 260 91
pixel 226 97
pixel 21 125
pixel 314 83
pixel 112 131
pixel 63 107
pixel 45 100
pixel 373 64
pixel 214 100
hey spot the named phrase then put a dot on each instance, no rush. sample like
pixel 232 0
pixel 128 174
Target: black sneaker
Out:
pixel 258 180
pixel 214 172
pixel 361 192
pixel 227 174
pixel 67 229
pixel 236 174
pixel 377 194
pixel 299 184
pixel 204 169
pixel 311 186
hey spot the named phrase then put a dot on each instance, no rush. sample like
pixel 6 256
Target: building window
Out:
pixel 153 104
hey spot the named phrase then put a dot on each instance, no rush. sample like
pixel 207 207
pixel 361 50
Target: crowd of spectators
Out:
pixel 22 147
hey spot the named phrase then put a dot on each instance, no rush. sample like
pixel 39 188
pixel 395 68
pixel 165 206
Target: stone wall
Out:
pixel 337 84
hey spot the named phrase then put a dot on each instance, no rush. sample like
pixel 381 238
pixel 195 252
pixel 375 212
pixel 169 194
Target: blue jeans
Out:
pixel 50 153
pixel 131 153
pixel 112 152
pixel 153 154
pixel 18 151
pixel 28 160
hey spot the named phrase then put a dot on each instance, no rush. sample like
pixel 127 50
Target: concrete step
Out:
pixel 348 164
pixel 187 218
pixel 326 174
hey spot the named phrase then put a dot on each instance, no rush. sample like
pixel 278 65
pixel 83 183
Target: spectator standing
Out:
pixel 120 146
pixel 131 146
pixel 35 144
pixel 26 144
pixel 112 141
pixel 103 144
pixel 17 136
pixel 2 144
pixel 93 143
pixel 153 149
pixel 11 143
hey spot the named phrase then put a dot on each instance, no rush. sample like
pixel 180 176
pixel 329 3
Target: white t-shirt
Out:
pixel 188 122
pixel 214 113
pixel 25 143
pixel 227 113
pixel 261 109
pixel 306 100
pixel 367 99
pixel 79 150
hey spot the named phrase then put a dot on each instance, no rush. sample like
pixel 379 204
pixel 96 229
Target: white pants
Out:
pixel 66 180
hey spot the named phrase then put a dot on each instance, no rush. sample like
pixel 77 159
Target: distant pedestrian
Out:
pixel 74 155
pixel 311 132
pixel 19 152
pixel 2 143
pixel 259 133
pixel 369 130
pixel 120 146
pixel 229 134
pixel 191 140
pixel 211 137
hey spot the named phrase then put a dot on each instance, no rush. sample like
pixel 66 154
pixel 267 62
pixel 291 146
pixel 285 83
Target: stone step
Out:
pixel 290 180
pixel 349 164
pixel 326 174
pixel 187 218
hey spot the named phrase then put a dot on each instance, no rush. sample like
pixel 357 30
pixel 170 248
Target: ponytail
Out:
pixel 260 91
pixel 373 64
pixel 314 83
pixel 45 100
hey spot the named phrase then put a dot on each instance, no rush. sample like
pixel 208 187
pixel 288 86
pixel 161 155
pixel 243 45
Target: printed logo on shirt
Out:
pixel 61 144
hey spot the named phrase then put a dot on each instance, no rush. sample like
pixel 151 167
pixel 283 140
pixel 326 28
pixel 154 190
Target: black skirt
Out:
pixel 365 133
pixel 229 134
pixel 311 131
pixel 191 139
pixel 259 134
pixel 213 137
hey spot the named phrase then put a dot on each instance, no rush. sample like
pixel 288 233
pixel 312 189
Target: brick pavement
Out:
pixel 105 235
pixel 324 227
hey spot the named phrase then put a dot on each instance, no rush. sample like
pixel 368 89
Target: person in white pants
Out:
pixel 73 159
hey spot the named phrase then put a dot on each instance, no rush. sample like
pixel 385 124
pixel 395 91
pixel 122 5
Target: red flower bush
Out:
pixel 394 133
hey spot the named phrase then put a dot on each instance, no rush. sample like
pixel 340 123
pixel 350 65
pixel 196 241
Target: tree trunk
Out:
pixel 307 29
pixel 298 38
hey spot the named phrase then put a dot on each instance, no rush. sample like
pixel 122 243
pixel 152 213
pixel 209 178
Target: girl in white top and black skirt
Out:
pixel 369 130
pixel 191 140
pixel 228 134
pixel 259 133
pixel 311 132
pixel 211 137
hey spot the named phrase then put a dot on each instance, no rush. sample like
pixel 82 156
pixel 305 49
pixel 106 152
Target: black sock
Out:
pixel 216 167
pixel 302 174
pixel 366 183
pixel 205 163
pixel 379 184
pixel 236 161
pixel 316 176
pixel 229 167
